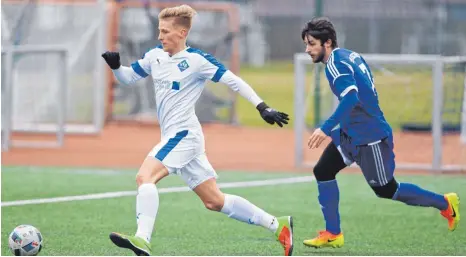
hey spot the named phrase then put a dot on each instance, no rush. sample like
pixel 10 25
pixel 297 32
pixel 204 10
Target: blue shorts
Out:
pixel 376 159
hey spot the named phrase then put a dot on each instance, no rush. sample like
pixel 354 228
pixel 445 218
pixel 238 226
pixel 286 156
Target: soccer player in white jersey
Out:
pixel 179 73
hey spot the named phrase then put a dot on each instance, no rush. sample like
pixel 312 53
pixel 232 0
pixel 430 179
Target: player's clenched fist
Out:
pixel 272 116
pixel 112 59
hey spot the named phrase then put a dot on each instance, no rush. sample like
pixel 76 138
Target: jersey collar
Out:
pixel 180 53
pixel 331 54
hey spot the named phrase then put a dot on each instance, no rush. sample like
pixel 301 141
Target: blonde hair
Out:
pixel 183 15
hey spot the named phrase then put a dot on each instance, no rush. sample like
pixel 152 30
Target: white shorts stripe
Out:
pixel 384 175
pixel 376 164
pixel 347 161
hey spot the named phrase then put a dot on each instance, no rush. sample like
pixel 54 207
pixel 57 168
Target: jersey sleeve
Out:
pixel 239 85
pixel 126 75
pixel 210 68
pixel 143 66
pixel 341 76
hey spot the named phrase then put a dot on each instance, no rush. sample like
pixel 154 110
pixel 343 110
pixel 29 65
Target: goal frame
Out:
pixel 97 28
pixel 57 128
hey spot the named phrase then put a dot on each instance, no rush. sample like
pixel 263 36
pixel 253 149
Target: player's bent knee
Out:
pixel 214 202
pixel 142 178
pixel 214 205
pixel 322 173
pixel 386 191
pixel 210 195
pixel 151 171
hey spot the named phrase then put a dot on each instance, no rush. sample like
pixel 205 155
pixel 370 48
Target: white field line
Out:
pixel 242 184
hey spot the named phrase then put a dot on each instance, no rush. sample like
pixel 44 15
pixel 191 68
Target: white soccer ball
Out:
pixel 25 240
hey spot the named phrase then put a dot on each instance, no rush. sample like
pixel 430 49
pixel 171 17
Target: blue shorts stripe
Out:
pixel 138 69
pixel 172 142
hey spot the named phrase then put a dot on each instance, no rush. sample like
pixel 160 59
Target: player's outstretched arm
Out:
pixel 212 69
pixel 125 75
pixel 270 115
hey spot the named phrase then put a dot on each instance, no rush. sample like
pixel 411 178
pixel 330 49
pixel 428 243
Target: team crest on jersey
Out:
pixel 183 65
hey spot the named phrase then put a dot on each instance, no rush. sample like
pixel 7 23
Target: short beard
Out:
pixel 321 56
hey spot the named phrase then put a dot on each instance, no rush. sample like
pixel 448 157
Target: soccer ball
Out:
pixel 25 240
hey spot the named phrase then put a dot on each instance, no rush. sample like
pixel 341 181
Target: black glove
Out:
pixel 272 116
pixel 112 59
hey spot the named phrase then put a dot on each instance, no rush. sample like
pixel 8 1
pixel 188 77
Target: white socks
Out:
pixel 147 204
pixel 238 208
pixel 241 209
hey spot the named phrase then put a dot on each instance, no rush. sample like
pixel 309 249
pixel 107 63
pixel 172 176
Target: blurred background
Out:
pixel 73 138
pixel 55 84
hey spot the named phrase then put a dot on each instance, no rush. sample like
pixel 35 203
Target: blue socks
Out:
pixel 329 198
pixel 411 194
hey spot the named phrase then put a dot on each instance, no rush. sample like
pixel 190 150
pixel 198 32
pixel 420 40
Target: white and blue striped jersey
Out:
pixel 178 82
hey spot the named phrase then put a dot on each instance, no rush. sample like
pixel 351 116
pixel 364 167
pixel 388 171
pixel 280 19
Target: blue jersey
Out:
pixel 346 71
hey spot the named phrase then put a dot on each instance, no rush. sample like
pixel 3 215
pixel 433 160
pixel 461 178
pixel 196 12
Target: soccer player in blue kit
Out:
pixel 363 136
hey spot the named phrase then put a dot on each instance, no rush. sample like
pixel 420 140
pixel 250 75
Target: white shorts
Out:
pixel 184 156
